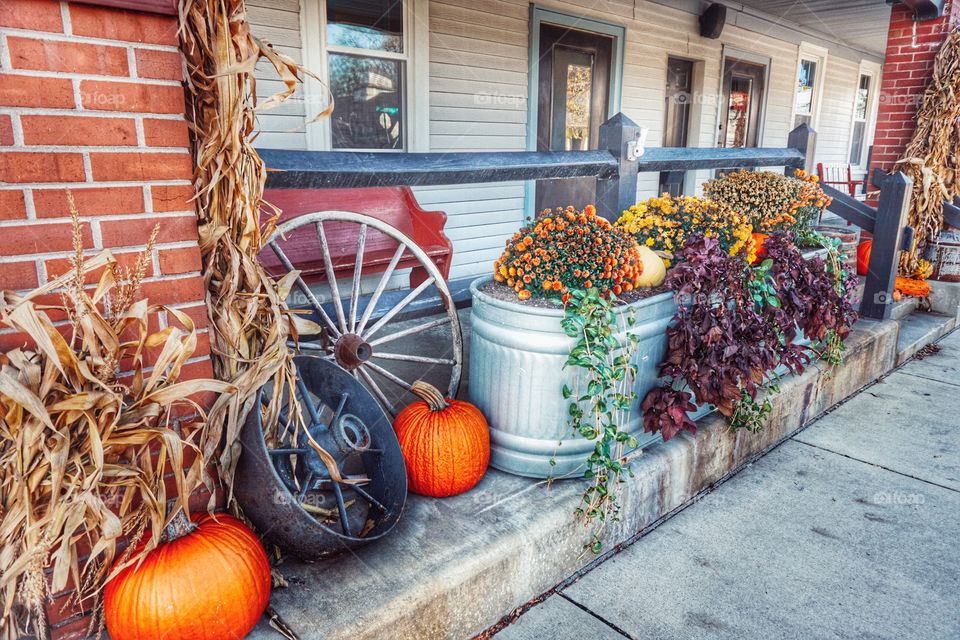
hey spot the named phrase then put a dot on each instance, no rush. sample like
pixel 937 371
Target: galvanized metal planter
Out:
pixel 517 354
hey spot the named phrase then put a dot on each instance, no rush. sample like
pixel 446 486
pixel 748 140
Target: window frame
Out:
pixel 415 59
pixel 873 71
pixel 818 55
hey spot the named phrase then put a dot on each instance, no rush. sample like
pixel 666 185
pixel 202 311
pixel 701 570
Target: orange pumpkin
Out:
pixel 759 240
pixel 445 443
pixel 864 249
pixel 209 581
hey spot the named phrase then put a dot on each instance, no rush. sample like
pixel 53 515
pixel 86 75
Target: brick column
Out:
pixel 907 68
pixel 91 100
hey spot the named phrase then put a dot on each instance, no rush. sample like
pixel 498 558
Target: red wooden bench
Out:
pixel 394 205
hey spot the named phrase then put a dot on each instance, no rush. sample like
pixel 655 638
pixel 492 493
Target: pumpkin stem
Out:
pixel 178 527
pixel 431 395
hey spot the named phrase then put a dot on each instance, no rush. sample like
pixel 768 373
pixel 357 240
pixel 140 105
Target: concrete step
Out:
pixel 919 329
pixel 453 567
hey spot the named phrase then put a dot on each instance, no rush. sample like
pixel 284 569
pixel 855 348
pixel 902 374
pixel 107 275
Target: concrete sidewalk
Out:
pixel 850 529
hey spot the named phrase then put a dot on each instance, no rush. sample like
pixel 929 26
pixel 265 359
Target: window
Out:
pixel 805 103
pixel 364 51
pixel 861 114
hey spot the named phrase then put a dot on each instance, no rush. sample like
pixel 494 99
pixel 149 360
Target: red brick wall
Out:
pixel 91 100
pixel 908 66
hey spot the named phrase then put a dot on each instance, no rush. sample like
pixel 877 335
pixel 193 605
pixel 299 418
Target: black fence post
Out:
pixel 621 137
pixel 888 234
pixel 802 139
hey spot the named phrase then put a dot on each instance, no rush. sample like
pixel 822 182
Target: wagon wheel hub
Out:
pixel 351 351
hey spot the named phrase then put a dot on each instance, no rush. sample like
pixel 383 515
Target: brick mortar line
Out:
pixel 93 40
pixel 101 218
pixel 71 75
pixel 66 148
pixel 90 113
pixel 9 186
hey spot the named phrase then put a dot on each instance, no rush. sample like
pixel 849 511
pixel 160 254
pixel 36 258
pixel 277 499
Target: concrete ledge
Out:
pixel 453 567
pixel 920 329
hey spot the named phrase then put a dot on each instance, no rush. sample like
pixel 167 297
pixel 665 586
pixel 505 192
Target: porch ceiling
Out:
pixel 861 24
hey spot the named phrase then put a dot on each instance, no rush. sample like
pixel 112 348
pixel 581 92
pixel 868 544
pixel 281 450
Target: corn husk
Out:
pixel 249 318
pixel 931 159
pixel 87 434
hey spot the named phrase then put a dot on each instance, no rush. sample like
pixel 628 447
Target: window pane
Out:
pixel 366 24
pixel 368 112
pixel 579 92
pixel 805 84
pixel 863 97
pixel 856 147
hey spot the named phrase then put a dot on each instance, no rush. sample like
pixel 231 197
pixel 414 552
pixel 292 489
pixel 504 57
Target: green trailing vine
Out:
pixel 600 404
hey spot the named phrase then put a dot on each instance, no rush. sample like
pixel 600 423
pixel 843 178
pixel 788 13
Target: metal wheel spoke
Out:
pixel 400 382
pixel 304 487
pixel 357 269
pixel 305 395
pixel 377 391
pixel 369 498
pixel 331 276
pixel 403 357
pixel 304 289
pixel 410 331
pixel 375 297
pixel 342 508
pixel 287 452
pixel 407 299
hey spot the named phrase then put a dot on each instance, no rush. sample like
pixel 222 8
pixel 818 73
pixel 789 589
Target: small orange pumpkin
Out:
pixel 759 240
pixel 864 249
pixel 210 580
pixel 445 443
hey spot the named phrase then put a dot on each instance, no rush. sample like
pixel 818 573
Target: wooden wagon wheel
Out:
pixel 373 341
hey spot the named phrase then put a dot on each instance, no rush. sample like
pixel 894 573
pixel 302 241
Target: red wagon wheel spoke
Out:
pixel 331 276
pixel 304 288
pixel 375 296
pixel 357 272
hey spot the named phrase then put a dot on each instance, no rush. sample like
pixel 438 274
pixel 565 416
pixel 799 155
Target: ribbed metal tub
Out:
pixel 516 377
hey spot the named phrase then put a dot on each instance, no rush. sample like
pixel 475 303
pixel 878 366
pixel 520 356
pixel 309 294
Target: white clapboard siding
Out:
pixel 478 71
pixel 278 22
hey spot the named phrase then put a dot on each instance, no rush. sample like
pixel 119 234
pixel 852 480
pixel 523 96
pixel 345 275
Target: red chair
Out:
pixel 840 177
pixel 396 206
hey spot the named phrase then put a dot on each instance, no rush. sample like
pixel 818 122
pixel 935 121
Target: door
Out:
pixel 677 118
pixel 574 69
pixel 743 90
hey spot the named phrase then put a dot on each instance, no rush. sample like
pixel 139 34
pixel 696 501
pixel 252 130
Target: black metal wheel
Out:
pixel 332 483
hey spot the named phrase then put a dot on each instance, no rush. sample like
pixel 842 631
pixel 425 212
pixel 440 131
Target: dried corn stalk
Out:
pixel 84 448
pixel 248 313
pixel 931 158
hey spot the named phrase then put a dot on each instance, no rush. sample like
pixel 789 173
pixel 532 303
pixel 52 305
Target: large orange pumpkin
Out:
pixel 864 249
pixel 210 583
pixel 445 443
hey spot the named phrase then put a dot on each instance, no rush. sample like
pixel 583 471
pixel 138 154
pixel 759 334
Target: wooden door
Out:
pixel 573 95
pixel 743 92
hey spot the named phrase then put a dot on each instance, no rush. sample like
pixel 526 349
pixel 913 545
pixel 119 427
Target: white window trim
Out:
pixel 416 44
pixel 874 70
pixel 818 54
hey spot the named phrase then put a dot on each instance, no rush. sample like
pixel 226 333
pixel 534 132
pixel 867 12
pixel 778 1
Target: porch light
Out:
pixel 922 9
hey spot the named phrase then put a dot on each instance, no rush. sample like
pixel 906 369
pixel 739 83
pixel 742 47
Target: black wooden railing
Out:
pixel 616 165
